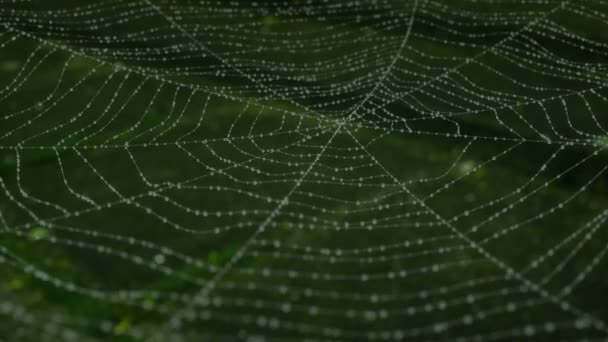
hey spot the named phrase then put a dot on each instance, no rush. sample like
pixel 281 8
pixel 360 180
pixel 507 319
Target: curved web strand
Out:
pixel 303 170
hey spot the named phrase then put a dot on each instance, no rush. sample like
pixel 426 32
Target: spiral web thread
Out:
pixel 303 170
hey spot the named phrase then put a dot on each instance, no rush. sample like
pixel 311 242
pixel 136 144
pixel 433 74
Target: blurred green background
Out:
pixel 306 170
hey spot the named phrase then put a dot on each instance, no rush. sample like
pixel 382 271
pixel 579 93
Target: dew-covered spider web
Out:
pixel 303 170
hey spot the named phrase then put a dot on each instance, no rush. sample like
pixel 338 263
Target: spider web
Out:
pixel 303 170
